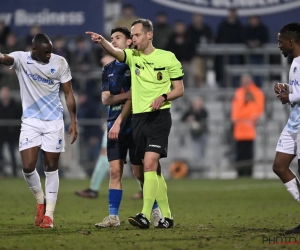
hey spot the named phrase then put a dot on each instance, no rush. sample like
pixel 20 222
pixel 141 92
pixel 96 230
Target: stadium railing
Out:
pixel 265 69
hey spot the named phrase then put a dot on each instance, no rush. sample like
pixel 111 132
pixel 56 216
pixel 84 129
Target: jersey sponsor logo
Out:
pixel 38 78
pixel 116 108
pixel 154 146
pixel 294 82
pixel 159 76
pixel 220 7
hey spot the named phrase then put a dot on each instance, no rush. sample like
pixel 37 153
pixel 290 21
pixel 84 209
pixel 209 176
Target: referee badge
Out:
pixel 159 76
pixel 137 72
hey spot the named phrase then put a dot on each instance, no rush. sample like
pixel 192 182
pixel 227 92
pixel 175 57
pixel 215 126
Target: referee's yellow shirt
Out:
pixel 151 77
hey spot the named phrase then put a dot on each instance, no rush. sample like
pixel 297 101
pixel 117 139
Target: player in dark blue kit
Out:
pixel 116 84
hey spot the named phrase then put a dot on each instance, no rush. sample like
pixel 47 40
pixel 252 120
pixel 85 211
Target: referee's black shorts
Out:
pixel 151 132
pixel 118 149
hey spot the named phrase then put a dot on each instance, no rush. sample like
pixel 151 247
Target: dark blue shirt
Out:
pixel 116 79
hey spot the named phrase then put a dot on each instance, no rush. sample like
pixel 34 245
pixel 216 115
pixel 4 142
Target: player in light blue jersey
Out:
pixel 288 145
pixel 40 74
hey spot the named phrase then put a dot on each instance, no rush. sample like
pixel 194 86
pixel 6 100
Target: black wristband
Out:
pixel 165 96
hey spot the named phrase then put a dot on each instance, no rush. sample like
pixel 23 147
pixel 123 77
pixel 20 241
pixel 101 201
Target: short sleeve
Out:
pixel 105 85
pixel 65 74
pixel 129 56
pixel 17 56
pixel 175 68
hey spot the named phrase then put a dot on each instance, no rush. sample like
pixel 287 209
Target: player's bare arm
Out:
pixel 115 129
pixel 6 59
pixel 71 104
pixel 176 92
pixel 109 99
pixel 107 46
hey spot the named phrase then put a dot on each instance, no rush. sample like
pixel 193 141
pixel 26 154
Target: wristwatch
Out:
pixel 165 96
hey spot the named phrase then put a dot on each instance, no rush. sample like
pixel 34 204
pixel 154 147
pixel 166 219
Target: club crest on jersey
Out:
pixel 159 76
pixel 295 69
pixel 137 72
pixel 52 71
pixel 127 73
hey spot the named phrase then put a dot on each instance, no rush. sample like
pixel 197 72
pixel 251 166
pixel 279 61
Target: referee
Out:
pixel 153 72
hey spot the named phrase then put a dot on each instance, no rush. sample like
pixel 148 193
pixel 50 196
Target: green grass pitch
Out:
pixel 208 214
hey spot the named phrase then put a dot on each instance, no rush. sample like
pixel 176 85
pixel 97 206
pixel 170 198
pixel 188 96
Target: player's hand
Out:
pixel 113 133
pixel 156 104
pixel 73 131
pixel 96 38
pixel 128 95
pixel 280 87
pixel 284 97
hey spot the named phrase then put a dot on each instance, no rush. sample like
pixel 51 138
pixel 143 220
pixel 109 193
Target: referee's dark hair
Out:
pixel 122 30
pixel 291 30
pixel 40 38
pixel 147 24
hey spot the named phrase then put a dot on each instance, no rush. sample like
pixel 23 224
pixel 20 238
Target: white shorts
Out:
pixel 49 135
pixel 289 143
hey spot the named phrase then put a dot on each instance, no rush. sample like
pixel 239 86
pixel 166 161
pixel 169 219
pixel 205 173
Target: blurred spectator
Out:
pixel 34 30
pixel 81 58
pixel 4 31
pixel 7 75
pixel 180 44
pixel 256 35
pixel 9 78
pixel 247 108
pixel 60 48
pixel 200 34
pixel 91 135
pixel 230 31
pixel 9 109
pixel 127 16
pixel 162 30
pixel 196 118
pixel 11 44
pixel 81 61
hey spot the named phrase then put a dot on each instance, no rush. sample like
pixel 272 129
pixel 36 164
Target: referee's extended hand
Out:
pixel 156 104
pixel 96 38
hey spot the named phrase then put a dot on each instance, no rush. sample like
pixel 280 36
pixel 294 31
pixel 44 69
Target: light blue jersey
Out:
pixel 39 85
pixel 294 88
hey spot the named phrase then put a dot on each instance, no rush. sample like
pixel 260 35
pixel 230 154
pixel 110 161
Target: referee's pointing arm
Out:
pixel 107 46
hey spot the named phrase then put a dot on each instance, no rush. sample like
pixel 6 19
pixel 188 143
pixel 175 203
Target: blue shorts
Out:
pixel 118 149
